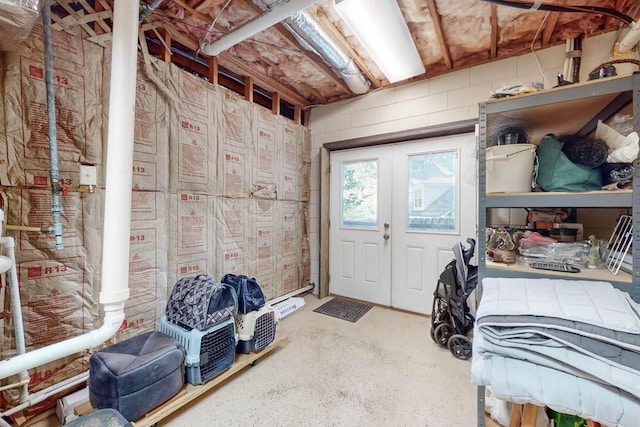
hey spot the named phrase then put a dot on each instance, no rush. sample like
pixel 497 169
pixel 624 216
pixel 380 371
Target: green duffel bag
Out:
pixel 557 173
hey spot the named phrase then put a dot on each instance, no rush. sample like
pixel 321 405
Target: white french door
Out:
pixel 396 212
pixel 360 251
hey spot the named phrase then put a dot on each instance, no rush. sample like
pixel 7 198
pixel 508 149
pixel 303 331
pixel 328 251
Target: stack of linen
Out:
pixel 571 345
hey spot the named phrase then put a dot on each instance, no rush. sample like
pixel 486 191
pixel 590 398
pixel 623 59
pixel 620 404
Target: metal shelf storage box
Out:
pixel 568 109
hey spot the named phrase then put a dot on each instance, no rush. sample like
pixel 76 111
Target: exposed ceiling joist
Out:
pixel 493 22
pixel 435 17
pixel 549 29
pixel 204 18
pixel 291 40
pixel 236 65
pixel 483 33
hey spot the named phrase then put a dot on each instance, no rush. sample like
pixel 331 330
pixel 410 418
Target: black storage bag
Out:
pixel 248 291
pixel 197 302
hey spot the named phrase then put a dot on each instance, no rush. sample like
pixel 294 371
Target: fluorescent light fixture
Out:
pixel 382 30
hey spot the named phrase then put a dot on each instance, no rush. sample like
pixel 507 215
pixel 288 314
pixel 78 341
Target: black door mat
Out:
pixel 344 309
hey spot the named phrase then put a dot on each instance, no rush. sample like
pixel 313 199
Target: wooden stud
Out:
pixel 166 39
pixel 325 181
pixel 213 70
pixel 307 117
pixel 494 31
pixel 275 103
pixel 248 88
pixel 297 114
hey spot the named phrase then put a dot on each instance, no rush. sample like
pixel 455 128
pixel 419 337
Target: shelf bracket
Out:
pixel 613 107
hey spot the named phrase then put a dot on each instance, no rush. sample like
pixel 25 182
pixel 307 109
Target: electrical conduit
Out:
pixel 54 173
pixel 117 214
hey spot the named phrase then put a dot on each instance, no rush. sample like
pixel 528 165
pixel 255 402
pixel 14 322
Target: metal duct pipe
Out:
pixel 280 11
pixel 147 9
pixel 54 172
pixel 317 39
pixel 117 213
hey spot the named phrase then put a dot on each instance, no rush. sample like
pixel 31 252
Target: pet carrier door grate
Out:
pixel 208 353
pixel 256 329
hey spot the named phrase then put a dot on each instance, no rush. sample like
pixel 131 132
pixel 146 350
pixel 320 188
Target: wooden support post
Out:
pixel 248 89
pixel 297 114
pixel 275 103
pixel 213 70
pixel 307 118
pixel 325 181
pixel 166 52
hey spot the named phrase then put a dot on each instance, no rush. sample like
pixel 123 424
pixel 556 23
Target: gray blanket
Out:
pixel 580 329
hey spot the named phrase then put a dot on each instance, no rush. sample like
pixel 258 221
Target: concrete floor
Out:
pixel 383 370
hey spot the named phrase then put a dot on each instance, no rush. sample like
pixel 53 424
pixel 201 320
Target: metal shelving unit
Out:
pixel 583 103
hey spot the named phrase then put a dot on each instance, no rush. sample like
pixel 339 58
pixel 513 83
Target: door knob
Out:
pixel 385 236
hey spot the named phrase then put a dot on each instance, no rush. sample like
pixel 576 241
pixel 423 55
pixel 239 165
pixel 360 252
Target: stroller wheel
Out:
pixel 432 331
pixel 441 334
pixel 460 346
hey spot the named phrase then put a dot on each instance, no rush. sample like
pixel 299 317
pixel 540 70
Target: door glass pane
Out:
pixel 431 203
pixel 359 194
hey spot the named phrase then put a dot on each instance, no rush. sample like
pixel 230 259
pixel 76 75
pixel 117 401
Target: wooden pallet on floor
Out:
pixel 191 392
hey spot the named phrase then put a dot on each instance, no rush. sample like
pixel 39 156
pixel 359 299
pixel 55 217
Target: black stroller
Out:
pixel 450 317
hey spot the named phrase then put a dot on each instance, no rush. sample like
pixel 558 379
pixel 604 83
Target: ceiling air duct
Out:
pixel 307 31
pixel 316 39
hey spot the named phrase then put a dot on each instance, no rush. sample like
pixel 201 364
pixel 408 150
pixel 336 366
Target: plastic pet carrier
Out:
pixel 256 329
pixel 198 302
pixel 208 353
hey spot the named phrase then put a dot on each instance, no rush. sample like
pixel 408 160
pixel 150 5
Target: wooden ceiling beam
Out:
pixel 311 56
pixel 284 33
pixel 238 66
pixel 550 28
pixel 437 24
pixel 493 22
pixel 201 16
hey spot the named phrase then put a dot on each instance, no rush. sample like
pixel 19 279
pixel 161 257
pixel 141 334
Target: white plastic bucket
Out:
pixel 510 168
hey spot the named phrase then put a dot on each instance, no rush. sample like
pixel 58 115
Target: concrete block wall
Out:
pixel 444 99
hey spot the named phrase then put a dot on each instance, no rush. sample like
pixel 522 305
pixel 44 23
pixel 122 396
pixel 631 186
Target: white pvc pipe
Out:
pixel 117 215
pixel 16 310
pixel 42 395
pixel 291 294
pixel 277 13
pixel 631 39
